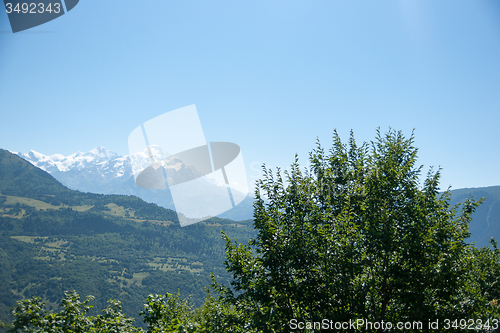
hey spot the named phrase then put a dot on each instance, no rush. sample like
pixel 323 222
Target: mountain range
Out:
pixel 105 172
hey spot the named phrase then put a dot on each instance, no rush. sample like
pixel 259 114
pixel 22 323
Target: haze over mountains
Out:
pixel 105 172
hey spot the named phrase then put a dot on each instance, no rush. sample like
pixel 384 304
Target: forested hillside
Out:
pixel 486 219
pixel 54 239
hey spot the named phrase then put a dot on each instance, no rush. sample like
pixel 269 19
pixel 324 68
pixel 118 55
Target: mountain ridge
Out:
pixel 63 163
pixel 103 171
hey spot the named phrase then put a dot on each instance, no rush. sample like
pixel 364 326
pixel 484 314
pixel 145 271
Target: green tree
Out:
pixel 357 235
pixel 482 292
pixel 169 313
pixel 113 320
pixel 30 316
pixel 219 315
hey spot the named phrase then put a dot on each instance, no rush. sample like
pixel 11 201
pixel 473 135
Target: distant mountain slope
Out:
pixel 486 219
pixel 54 239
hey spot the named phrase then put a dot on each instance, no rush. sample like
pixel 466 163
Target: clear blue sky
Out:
pixel 270 76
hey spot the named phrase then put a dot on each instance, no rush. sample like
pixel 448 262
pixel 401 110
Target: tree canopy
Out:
pixel 359 236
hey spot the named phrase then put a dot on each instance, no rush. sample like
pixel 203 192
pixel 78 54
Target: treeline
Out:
pixel 161 313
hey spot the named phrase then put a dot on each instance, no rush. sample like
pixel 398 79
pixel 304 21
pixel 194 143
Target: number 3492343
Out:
pixel 33 8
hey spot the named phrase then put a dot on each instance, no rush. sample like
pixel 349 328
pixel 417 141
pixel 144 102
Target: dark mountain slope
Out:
pixel 486 219
pixel 20 178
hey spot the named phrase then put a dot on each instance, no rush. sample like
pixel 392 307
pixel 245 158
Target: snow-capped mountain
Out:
pixel 94 171
pixel 103 171
pixel 79 160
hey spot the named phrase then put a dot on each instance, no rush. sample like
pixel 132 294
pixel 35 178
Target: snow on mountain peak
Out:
pixel 103 152
pixel 78 160
pixel 100 161
pixel 36 155
pixel 56 157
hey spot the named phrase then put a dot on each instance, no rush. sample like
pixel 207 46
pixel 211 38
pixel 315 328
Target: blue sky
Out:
pixel 270 76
